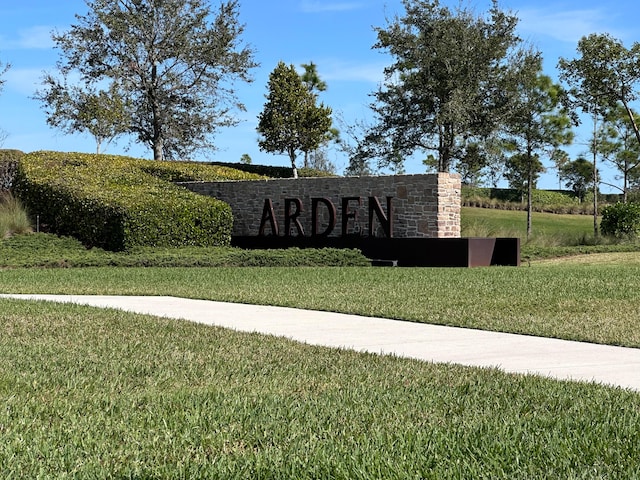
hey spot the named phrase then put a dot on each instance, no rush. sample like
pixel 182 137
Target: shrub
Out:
pixel 621 220
pixel 14 219
pixel 272 171
pixel 112 202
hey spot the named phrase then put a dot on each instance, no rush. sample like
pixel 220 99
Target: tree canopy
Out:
pixel 447 84
pixel 80 109
pixel 605 74
pixel 175 64
pixel 617 144
pixel 291 121
pixel 579 176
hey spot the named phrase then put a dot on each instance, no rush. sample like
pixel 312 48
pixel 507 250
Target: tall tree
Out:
pixel 605 74
pixel 73 109
pixel 175 62
pixel 311 79
pixel 537 124
pixel 447 82
pixel 291 121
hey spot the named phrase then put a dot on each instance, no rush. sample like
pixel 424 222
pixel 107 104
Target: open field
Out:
pixel 555 227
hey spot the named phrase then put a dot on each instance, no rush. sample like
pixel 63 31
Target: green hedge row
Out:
pixel 554 197
pixel 273 172
pixel 117 203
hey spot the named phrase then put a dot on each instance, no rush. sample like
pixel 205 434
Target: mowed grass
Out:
pixel 594 303
pixel 90 393
pixel 546 227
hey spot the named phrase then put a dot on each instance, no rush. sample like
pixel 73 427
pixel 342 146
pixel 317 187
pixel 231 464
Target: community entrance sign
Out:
pixel 407 220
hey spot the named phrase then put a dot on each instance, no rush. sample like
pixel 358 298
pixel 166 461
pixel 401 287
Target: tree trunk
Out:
pixel 292 157
pixel 636 131
pixel 158 154
pixel 595 178
pixel 529 200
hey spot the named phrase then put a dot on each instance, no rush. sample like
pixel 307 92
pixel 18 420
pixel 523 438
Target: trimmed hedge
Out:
pixel 195 171
pixel 272 171
pixel 117 203
pixel 540 197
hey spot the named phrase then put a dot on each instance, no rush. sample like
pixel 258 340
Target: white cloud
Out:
pixel 564 25
pixel 34 38
pixel 25 81
pixel 309 6
pixel 344 71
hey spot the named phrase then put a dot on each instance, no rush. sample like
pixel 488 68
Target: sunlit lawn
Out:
pixel 90 393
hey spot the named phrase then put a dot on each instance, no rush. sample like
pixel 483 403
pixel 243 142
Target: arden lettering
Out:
pixel 294 210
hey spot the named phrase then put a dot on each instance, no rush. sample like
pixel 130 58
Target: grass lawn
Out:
pixel 89 393
pixel 598 303
pixel 549 226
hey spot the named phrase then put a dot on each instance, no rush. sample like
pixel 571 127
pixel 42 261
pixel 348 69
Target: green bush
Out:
pixel 621 220
pixel 114 203
pixel 272 171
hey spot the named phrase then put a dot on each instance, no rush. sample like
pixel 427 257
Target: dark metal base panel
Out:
pixel 405 252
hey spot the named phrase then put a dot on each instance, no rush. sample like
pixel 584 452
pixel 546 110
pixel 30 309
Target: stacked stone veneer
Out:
pixel 423 205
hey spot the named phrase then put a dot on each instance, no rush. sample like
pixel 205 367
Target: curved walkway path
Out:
pixel 561 359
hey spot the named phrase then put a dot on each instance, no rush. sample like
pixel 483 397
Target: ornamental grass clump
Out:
pixel 14 219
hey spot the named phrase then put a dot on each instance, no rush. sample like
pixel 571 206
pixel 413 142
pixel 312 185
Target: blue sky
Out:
pixel 337 35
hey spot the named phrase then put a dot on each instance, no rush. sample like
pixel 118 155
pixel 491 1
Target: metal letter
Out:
pixel 267 214
pixel 346 214
pixel 289 217
pixel 314 214
pixel 386 221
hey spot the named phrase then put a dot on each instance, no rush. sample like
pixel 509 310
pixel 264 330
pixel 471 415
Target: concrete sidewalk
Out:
pixel 559 359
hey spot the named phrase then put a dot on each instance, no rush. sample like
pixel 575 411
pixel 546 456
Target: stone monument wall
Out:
pixel 401 206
